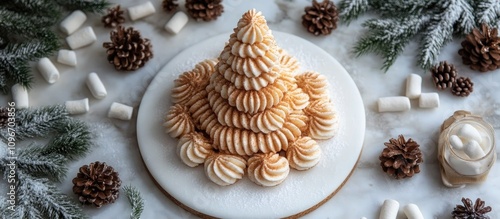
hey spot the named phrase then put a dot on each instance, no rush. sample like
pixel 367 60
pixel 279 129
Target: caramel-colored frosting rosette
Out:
pixel 249 112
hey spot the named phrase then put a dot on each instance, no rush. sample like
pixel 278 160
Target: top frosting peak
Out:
pixel 252 27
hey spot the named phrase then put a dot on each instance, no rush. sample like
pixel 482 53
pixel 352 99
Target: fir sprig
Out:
pixel 433 22
pixel 27 34
pixel 136 201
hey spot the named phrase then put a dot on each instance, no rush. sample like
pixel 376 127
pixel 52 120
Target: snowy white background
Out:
pixel 367 188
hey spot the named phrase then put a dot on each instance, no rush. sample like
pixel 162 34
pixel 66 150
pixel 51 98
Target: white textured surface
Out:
pixel 368 187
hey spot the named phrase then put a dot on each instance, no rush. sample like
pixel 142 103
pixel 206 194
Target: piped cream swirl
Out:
pixel 314 84
pixel 193 148
pixel 268 169
pixel 323 122
pixel 252 27
pixel 191 82
pixel 178 122
pixel 224 169
pixel 303 154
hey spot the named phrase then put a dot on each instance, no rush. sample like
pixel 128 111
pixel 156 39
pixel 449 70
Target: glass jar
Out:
pixel 466 162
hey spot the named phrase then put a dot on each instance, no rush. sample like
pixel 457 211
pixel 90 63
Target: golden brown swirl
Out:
pixel 314 84
pixel 191 82
pixel 243 82
pixel 297 98
pixel 178 122
pixel 224 169
pixel 303 154
pixel 322 122
pixel 268 169
pixel 288 63
pixel 252 27
pixel 251 67
pixel 193 148
pixel 244 50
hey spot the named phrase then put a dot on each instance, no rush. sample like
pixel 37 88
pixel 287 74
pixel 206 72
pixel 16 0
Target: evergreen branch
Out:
pixel 42 195
pixel 37 122
pixel 136 200
pixel 94 6
pixel 488 11
pixel 16 22
pixel 44 44
pixel 74 140
pixel 16 72
pixel 32 160
pixel 352 9
pixel 33 7
pixel 398 8
pixel 466 20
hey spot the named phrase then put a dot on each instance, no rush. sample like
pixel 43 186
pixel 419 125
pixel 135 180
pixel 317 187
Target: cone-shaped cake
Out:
pixel 236 114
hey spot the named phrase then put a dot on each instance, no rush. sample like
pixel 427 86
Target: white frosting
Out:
pixel 193 148
pixel 224 169
pixel 178 122
pixel 252 27
pixel 323 121
pixel 303 154
pixel 267 169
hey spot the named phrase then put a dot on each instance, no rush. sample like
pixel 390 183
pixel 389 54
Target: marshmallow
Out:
pixel 393 104
pixel 468 132
pixel 428 100
pixel 73 22
pixel 20 96
pixel 413 86
pixel 456 142
pixel 66 57
pixel 177 22
pixel 464 167
pixel 412 211
pixel 474 150
pixel 48 70
pixel 77 106
pixel 140 11
pixel 120 111
pixel 81 38
pixel 389 209
pixel 363 218
pixel 96 86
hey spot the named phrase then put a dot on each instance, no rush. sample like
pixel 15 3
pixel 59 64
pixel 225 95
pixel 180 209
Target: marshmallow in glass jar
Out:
pixel 466 149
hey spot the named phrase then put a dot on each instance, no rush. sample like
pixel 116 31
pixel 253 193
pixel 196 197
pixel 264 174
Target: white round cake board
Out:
pixel 301 192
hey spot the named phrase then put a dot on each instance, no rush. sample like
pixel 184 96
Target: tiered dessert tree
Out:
pixel 249 113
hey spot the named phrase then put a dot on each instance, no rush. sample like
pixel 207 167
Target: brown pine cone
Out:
pixel 127 49
pixel 469 211
pixel 481 49
pixel 114 17
pixel 205 10
pixel 444 75
pixel 320 18
pixel 463 87
pixel 400 158
pixel 97 184
pixel 169 5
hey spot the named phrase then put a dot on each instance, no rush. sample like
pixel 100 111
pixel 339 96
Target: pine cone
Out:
pixel 444 75
pixel 469 211
pixel 401 158
pixel 127 50
pixel 169 5
pixel 320 18
pixel 463 87
pixel 97 184
pixel 205 10
pixel 481 49
pixel 4 117
pixel 114 17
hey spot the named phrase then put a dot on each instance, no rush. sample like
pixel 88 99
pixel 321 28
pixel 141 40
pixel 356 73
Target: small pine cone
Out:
pixel 4 117
pixel 114 17
pixel 97 184
pixel 400 158
pixel 463 87
pixel 481 49
pixel 205 10
pixel 169 5
pixel 444 75
pixel 127 49
pixel 320 18
pixel 470 211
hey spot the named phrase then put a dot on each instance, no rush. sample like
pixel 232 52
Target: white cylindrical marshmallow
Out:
pixel 428 100
pixel 389 209
pixel 73 22
pixel 468 132
pixel 412 211
pixel 393 104
pixel 474 150
pixel 140 11
pixel 96 86
pixel 456 142
pixel 177 22
pixel 20 96
pixel 120 111
pixel 81 38
pixel 413 86
pixel 463 166
pixel 77 106
pixel 363 218
pixel 67 57
pixel 48 70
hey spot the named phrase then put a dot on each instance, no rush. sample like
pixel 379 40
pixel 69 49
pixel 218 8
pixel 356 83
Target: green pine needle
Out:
pixel 136 201
pixel 351 9
pixel 33 161
pixel 74 140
